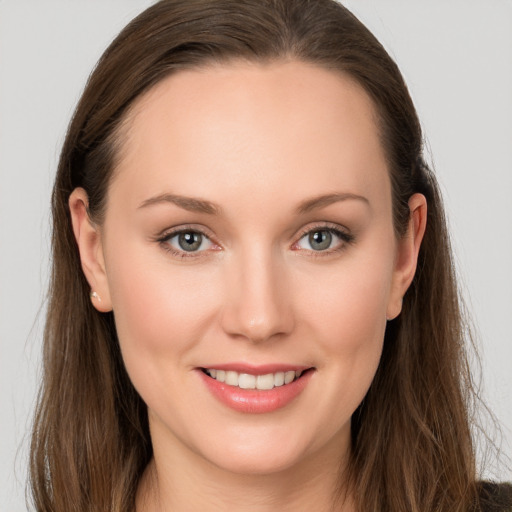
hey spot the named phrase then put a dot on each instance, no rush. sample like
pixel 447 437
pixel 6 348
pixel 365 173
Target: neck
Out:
pixel 190 483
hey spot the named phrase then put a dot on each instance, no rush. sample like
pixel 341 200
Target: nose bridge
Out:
pixel 257 304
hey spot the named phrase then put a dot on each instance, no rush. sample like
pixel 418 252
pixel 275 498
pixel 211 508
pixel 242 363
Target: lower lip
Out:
pixel 256 401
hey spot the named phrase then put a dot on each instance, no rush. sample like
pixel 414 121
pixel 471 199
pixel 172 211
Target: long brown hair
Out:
pixel 411 438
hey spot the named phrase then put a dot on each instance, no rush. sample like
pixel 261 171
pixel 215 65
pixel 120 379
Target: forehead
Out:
pixel 253 128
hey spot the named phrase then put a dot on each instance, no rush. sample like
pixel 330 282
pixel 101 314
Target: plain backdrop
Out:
pixel 456 56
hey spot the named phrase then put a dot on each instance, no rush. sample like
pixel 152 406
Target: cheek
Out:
pixel 350 306
pixel 348 320
pixel 356 321
pixel 160 309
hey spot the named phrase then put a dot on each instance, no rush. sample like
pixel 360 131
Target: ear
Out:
pixel 408 248
pixel 87 236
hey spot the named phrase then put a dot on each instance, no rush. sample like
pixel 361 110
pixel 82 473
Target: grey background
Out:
pixel 456 56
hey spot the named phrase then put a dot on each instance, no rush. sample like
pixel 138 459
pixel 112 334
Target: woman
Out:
pixel 252 304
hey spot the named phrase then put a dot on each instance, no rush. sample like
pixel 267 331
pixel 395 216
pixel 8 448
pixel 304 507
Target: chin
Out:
pixel 265 451
pixel 257 460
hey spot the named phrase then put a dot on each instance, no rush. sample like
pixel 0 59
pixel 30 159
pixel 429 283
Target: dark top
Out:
pixel 495 497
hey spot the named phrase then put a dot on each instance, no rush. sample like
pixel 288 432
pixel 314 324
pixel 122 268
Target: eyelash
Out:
pixel 166 237
pixel 345 237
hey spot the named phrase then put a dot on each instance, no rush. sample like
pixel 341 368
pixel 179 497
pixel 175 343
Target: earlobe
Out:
pixel 407 254
pixel 88 239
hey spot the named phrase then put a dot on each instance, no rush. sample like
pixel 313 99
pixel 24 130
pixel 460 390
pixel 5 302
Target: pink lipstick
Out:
pixel 255 389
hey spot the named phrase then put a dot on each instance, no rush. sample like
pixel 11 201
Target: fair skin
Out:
pixel 268 282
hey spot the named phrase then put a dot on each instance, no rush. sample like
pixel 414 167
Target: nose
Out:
pixel 258 306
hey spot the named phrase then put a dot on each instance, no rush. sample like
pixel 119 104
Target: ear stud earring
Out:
pixel 94 295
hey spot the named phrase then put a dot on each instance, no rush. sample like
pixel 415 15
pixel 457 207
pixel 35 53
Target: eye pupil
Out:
pixel 320 240
pixel 190 241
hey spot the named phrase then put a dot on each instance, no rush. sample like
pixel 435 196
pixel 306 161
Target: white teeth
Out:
pixel 279 379
pixel 265 381
pixel 247 381
pixel 289 376
pixel 231 378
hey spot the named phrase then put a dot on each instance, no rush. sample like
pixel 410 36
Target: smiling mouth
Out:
pixel 260 382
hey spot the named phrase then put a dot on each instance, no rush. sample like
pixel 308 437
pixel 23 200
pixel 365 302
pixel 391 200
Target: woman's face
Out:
pixel 248 231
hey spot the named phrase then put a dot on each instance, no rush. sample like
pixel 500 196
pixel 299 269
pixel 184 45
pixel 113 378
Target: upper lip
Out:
pixel 253 369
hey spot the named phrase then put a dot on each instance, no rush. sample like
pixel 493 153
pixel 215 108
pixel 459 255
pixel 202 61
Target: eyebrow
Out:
pixel 327 199
pixel 192 204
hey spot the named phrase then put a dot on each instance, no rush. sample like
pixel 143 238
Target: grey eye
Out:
pixel 190 241
pixel 324 239
pixel 187 242
pixel 320 240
